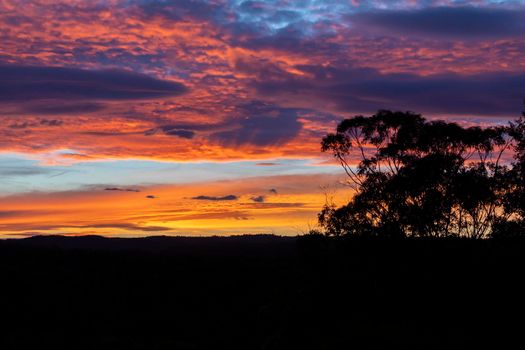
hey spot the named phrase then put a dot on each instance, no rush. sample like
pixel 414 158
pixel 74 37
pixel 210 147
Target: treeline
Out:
pixel 419 178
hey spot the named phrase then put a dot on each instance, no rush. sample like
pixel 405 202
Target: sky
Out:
pixel 189 117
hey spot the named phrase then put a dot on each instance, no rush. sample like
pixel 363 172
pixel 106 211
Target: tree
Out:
pixel 414 177
pixel 513 200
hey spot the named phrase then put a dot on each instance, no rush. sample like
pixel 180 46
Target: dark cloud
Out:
pixel 366 90
pixel 272 190
pixel 54 107
pixel 173 131
pixel 253 24
pixel 23 125
pixel 51 122
pixel 185 131
pixel 230 197
pixel 260 131
pixel 182 9
pixel 151 196
pixel 253 123
pixel 258 199
pixel 43 122
pixel 261 124
pixel 446 22
pixel 185 134
pixel 121 189
pixel 28 83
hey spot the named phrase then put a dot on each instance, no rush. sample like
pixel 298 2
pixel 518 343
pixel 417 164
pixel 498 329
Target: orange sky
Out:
pixel 258 208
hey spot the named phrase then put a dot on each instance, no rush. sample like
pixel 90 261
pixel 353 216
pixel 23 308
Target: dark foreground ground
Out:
pixel 261 293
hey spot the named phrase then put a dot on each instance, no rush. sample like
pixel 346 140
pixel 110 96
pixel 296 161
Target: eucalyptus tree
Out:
pixel 414 177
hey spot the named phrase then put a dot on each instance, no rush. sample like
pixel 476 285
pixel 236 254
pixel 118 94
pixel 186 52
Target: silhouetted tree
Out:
pixel 414 177
pixel 512 224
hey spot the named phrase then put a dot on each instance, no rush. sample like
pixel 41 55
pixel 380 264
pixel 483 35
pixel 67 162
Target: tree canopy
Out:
pixel 414 177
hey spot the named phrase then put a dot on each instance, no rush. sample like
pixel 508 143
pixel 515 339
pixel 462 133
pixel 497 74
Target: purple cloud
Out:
pixel 28 83
pixel 466 22
pixel 230 197
pixel 366 90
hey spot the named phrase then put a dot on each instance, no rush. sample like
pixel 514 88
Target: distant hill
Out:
pixel 153 243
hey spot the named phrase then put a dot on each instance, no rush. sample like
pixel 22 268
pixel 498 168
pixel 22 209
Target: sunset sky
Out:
pixel 190 117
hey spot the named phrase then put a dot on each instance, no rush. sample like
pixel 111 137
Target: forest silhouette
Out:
pixel 261 292
pixel 419 178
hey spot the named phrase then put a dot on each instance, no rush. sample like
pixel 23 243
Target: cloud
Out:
pixel 185 134
pixel 51 122
pixel 258 199
pixel 466 22
pixel 32 124
pixel 272 190
pixel 181 9
pixel 174 131
pixel 182 130
pixel 261 73
pixel 230 197
pixel 151 196
pixel 50 107
pixel 59 90
pixel 251 123
pixel 261 124
pixel 366 90
pixel 121 189
pixel 267 164
pixel 23 125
